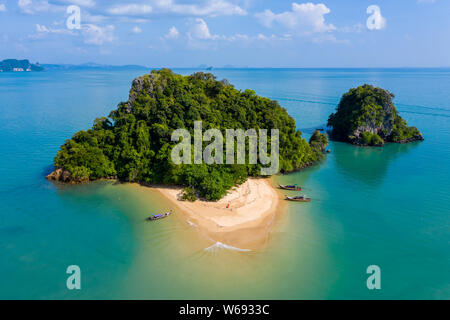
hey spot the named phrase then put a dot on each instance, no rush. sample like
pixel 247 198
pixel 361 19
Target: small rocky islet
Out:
pixel 367 116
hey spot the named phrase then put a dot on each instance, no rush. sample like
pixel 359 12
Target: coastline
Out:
pixel 245 225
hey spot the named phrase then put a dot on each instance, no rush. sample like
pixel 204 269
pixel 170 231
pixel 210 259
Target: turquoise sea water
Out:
pixel 385 206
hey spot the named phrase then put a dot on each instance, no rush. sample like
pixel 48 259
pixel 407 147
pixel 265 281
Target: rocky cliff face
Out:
pixel 319 141
pixel 137 87
pixel 367 116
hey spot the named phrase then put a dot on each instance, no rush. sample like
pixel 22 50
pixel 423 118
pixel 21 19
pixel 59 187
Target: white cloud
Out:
pixel 199 30
pixel 173 33
pixel 202 8
pixel 200 37
pixel 2 7
pixel 304 18
pixel 207 8
pixel 264 38
pixel 35 6
pixel 30 7
pixel 136 30
pixel 91 33
pixel 44 29
pixel 81 3
pixel 97 35
pixel 40 28
pixel 266 18
pixel 375 21
pixel 132 19
pixel 237 37
pixel 261 36
pixel 130 9
pixel 25 6
pixel 87 17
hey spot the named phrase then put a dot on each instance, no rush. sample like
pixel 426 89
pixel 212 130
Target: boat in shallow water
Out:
pixel 293 187
pixel 159 216
pixel 298 199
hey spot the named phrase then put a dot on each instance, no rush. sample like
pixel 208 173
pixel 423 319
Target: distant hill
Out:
pixel 13 65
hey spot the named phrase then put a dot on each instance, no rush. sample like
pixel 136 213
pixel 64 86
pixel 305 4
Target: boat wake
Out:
pixel 191 224
pixel 221 246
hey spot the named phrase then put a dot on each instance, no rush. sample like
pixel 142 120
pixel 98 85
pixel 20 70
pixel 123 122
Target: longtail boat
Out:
pixel 292 187
pixel 298 199
pixel 154 217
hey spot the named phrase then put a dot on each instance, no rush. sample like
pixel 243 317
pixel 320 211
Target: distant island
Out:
pixel 366 116
pixel 13 65
pixel 134 143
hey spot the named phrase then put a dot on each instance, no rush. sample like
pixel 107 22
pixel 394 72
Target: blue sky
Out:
pixel 253 33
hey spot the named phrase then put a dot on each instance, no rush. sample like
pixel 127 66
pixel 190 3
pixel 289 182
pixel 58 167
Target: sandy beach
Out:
pixel 242 219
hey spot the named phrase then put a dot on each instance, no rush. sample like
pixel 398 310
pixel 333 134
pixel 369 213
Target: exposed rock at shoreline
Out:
pixel 418 137
pixel 61 175
pixel 366 116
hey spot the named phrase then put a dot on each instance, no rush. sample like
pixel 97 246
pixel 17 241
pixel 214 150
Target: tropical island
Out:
pixel 230 203
pixel 134 143
pixel 13 65
pixel 366 116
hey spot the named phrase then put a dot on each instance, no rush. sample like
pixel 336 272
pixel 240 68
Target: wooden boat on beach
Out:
pixel 298 199
pixel 293 187
pixel 154 217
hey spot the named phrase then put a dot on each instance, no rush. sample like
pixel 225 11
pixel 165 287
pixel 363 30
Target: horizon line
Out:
pixel 230 66
pixel 236 67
